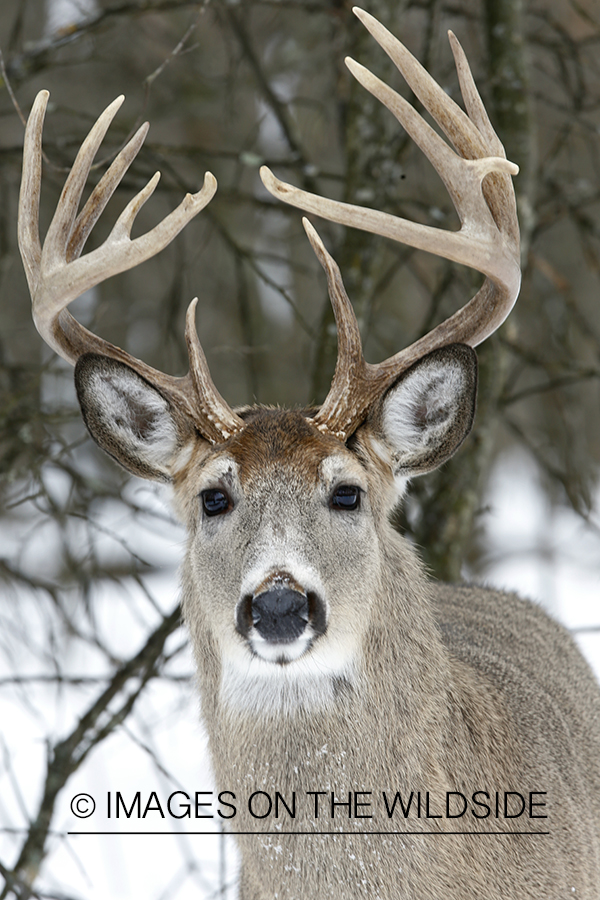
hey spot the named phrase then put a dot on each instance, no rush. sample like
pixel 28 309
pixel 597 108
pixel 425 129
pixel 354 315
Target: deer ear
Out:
pixel 130 419
pixel 426 415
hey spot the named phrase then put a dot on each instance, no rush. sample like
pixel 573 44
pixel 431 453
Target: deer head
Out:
pixel 287 511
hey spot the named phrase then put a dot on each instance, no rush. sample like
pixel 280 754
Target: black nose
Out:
pixel 280 614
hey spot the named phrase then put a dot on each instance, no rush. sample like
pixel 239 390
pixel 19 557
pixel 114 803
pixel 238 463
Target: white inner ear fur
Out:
pixel 417 412
pixel 137 416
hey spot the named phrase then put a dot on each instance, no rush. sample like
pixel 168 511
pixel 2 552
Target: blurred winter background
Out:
pixel 96 678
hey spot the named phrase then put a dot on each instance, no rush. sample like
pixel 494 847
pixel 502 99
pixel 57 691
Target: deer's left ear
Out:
pixel 426 415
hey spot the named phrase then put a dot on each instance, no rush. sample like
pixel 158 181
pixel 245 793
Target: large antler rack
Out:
pixel 57 273
pixel 488 239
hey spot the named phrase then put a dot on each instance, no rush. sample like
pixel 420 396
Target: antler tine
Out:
pixel 51 290
pixel 61 226
pixel 57 273
pixel 472 135
pixel 497 189
pixel 460 128
pixel 350 367
pixel 477 112
pixel 479 243
pixel 217 415
pixel 29 197
pixel 488 237
pixel 102 193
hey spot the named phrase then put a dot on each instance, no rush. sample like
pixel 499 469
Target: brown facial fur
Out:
pixel 274 437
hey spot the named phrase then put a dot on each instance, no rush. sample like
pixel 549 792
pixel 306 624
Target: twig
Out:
pixel 66 756
pixel 11 93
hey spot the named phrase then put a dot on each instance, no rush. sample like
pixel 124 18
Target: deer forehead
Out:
pixel 283 448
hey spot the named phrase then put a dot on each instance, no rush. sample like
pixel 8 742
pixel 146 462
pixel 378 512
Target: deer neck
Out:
pixel 317 730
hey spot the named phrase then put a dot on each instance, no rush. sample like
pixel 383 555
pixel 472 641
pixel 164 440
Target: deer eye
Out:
pixel 215 502
pixel 346 496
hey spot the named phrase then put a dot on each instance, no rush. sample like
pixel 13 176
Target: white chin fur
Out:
pixel 280 653
pixel 314 669
pixel 311 678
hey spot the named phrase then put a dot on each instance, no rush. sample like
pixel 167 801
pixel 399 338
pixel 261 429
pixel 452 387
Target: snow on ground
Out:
pixel 551 555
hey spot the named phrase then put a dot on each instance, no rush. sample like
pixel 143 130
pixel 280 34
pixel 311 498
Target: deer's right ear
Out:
pixel 129 418
pixel 426 415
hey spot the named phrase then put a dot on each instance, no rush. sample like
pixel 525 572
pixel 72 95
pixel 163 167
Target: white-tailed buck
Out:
pixel 384 736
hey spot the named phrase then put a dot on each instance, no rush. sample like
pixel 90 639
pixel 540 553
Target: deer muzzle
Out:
pixel 280 619
pixel 280 615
